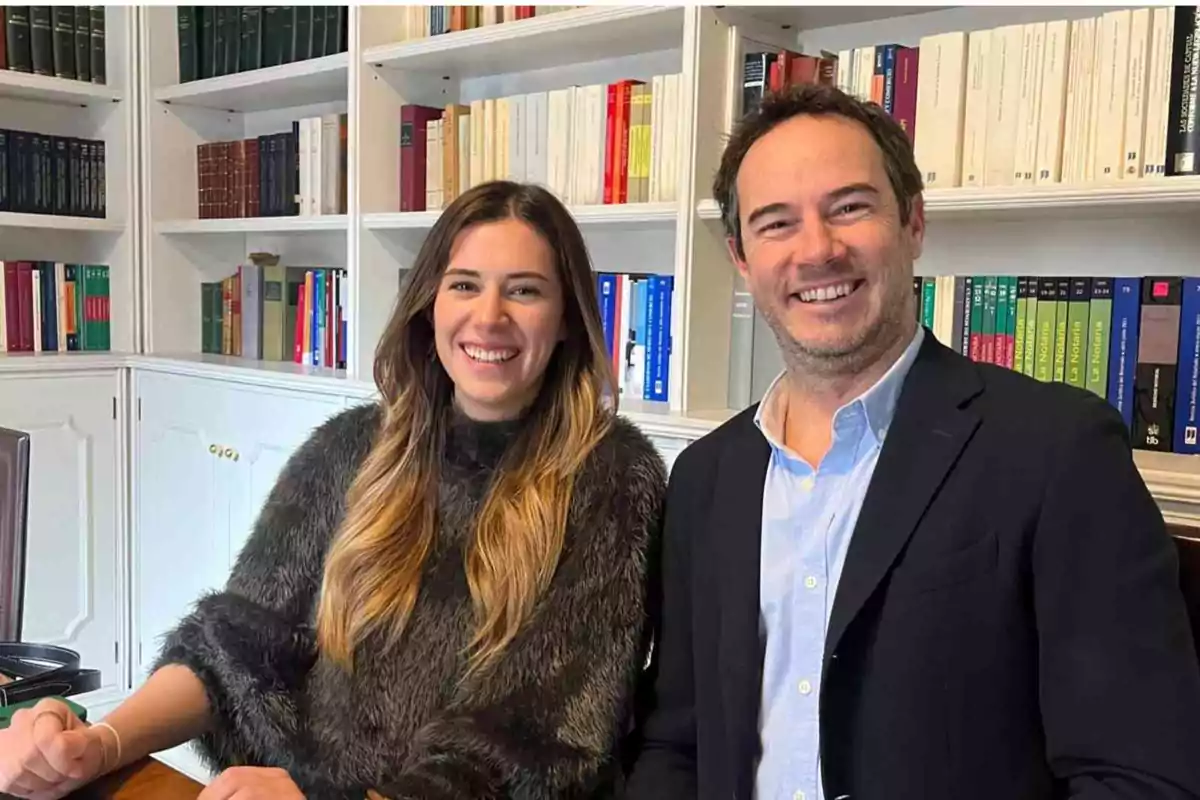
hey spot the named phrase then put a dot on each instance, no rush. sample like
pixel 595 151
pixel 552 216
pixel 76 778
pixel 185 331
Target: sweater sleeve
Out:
pixel 251 644
pixel 547 721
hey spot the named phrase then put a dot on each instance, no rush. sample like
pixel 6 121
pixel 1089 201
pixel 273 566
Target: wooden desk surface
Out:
pixel 145 780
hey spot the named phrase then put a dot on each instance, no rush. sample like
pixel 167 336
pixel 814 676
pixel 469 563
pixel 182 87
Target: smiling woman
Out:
pixel 445 594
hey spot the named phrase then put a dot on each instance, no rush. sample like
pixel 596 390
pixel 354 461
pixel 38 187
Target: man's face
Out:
pixel 827 260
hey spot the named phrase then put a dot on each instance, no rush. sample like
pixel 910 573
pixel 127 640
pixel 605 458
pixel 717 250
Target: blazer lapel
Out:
pixel 929 430
pixel 736 528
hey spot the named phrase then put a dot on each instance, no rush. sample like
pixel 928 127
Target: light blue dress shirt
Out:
pixel 808 519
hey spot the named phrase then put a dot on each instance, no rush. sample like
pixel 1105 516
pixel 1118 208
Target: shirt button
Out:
pixel 810 582
pixel 799 795
pixel 805 687
pixel 807 483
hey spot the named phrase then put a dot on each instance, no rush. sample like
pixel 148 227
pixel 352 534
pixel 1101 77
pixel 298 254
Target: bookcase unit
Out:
pixel 197 438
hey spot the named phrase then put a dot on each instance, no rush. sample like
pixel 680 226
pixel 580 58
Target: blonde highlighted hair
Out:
pixel 373 569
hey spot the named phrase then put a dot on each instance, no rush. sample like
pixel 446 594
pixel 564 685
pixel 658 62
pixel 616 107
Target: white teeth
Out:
pixel 826 293
pixel 489 356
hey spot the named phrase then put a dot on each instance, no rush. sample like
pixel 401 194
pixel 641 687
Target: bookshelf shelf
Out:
pixel 58 91
pixel 558 39
pixel 302 83
pixel 1180 192
pixel 278 373
pixel 624 214
pixel 42 222
pixel 242 225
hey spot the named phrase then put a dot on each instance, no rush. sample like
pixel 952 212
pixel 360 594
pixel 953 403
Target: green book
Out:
pixel 928 298
pixel 1099 324
pixel 1019 324
pixel 975 346
pixel 1031 313
pixel 1043 366
pixel 1078 307
pixel 6 712
pixel 1062 296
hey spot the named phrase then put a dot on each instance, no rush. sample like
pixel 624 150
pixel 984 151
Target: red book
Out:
pixel 413 142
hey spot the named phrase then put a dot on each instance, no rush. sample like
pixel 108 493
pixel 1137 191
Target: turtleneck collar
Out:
pixel 472 443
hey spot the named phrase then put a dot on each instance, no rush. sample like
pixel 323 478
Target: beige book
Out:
pixel 975 109
pixel 941 96
pixel 1052 105
pixel 1134 149
pixel 1004 68
pixel 1112 81
pixel 1033 45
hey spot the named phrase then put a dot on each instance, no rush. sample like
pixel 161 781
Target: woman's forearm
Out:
pixel 170 709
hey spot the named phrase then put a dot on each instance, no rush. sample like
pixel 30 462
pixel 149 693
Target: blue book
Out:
pixel 1123 345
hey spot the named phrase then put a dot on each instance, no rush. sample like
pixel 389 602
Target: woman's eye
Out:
pixel 526 291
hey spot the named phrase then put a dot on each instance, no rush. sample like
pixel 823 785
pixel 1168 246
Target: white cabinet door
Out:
pixel 265 427
pixel 73 594
pixel 181 512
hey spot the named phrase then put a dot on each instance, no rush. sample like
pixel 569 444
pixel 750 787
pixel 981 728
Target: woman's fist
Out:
pixel 47 752
pixel 252 783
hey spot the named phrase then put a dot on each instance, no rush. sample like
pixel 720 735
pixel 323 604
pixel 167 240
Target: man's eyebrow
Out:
pixel 853 188
pixel 762 211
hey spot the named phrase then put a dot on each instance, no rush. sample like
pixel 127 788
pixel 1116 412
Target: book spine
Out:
pixel 1187 417
pixel 1183 134
pixel 1157 363
pixel 1099 325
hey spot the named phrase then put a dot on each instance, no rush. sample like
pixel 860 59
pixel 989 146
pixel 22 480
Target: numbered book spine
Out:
pixel 1157 363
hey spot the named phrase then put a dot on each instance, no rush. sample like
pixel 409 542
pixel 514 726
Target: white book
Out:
pixel 1033 44
pixel 657 89
pixel 465 159
pixel 536 137
pixel 331 163
pixel 304 146
pixel 315 167
pixel 975 107
pixel 478 129
pixel 1112 81
pixel 1158 92
pixel 1134 149
pixel 941 103
pixel 1052 108
pixel 1004 75
pixel 516 137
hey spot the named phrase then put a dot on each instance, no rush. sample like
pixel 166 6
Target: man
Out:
pixel 903 575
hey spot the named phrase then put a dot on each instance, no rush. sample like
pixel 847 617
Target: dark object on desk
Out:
pixel 14 506
pixel 38 671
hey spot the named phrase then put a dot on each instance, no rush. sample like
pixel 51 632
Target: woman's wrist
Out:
pixel 110 744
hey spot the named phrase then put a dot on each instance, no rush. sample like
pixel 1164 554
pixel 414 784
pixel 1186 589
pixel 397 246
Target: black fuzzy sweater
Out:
pixel 544 723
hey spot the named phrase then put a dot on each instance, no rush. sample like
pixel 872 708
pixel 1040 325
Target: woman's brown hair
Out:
pixel 373 570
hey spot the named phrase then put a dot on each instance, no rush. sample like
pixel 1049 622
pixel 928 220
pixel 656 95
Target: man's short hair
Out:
pixel 817 100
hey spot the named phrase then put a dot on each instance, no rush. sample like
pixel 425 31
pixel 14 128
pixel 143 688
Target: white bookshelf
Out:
pixel 72 108
pixel 186 250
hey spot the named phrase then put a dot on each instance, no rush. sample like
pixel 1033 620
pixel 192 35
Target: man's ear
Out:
pixel 916 226
pixel 732 248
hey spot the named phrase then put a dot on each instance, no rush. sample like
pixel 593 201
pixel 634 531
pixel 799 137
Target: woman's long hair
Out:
pixel 373 570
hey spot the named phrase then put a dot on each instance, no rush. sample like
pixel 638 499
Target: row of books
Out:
pixel 59 41
pixel 59 175
pixel 635 310
pixel 301 172
pixel 591 145
pixel 421 22
pixel 273 312
pixel 1134 341
pixel 1066 101
pixel 48 306
pixel 224 40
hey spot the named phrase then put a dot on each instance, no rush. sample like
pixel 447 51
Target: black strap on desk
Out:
pixel 42 670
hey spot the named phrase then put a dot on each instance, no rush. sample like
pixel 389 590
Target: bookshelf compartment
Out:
pixel 541 42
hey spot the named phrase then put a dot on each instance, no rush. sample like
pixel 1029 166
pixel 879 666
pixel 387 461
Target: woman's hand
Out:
pixel 48 752
pixel 252 783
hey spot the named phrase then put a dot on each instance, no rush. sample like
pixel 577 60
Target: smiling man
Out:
pixel 902 575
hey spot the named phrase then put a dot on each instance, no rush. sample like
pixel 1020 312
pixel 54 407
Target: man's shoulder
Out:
pixel 703 453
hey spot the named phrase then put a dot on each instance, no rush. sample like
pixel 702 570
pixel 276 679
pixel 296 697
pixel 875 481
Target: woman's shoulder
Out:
pixel 342 441
pixel 625 466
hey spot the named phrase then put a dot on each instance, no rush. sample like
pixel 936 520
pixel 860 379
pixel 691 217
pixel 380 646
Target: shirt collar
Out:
pixel 878 402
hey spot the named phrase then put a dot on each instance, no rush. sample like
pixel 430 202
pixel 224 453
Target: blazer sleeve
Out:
pixel 546 721
pixel 250 644
pixel 1120 683
pixel 665 764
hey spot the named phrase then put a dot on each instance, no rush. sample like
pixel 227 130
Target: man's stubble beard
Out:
pixel 848 357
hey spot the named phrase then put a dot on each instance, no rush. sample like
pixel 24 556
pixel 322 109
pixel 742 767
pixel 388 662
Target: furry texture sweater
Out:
pixel 545 722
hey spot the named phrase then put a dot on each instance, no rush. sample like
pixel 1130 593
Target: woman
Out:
pixel 444 595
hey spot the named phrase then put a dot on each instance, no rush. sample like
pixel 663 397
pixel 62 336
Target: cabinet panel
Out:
pixel 73 592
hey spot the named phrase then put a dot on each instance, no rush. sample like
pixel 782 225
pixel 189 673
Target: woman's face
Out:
pixel 497 317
